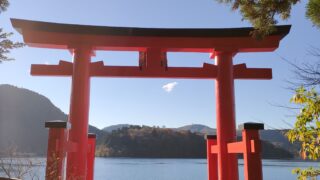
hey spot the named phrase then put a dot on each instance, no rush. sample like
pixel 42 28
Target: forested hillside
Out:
pixel 144 141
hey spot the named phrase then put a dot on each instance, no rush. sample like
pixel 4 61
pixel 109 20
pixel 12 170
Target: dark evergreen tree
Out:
pixel 262 13
pixel 313 12
pixel 3 5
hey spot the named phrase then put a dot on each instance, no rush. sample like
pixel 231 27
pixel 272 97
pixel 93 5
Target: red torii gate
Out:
pixel 152 45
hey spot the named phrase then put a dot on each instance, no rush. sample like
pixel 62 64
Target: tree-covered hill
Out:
pixel 198 128
pixel 115 127
pixel 152 142
pixel 22 117
pixel 137 141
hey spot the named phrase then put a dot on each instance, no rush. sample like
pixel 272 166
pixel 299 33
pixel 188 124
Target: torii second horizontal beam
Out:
pixel 98 69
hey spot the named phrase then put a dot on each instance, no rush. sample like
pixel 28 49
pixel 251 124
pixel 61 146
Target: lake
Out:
pixel 181 169
pixel 178 169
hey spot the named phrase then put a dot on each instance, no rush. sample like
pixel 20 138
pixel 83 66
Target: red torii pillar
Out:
pixel 212 162
pixel 225 113
pixel 79 112
pixel 225 109
pixel 56 152
pixel 91 156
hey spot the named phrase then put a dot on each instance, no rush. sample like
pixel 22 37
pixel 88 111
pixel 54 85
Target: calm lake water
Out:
pixel 178 169
pixel 181 169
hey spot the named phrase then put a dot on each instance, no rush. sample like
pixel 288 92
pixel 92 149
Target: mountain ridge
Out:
pixel 23 113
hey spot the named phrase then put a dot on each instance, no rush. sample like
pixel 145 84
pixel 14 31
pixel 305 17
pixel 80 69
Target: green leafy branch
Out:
pixel 306 130
pixel 6 45
pixel 4 4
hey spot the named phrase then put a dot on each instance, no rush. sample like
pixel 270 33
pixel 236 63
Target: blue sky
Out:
pixel 144 101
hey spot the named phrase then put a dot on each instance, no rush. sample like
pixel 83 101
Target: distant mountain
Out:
pixel 197 128
pixel 99 133
pixel 109 129
pixel 278 139
pixel 22 117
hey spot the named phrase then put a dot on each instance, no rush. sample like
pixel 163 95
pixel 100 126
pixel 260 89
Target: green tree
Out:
pixel 313 12
pixel 306 130
pixel 3 5
pixel 262 14
pixel 6 45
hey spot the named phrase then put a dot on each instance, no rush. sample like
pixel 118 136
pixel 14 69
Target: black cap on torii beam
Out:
pixel 251 126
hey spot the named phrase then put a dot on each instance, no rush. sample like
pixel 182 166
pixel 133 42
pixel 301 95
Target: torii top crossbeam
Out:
pixel 138 39
pixel 151 43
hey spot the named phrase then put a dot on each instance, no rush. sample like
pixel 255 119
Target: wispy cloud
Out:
pixel 169 87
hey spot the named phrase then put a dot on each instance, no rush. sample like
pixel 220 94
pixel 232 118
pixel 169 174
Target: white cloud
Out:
pixel 169 87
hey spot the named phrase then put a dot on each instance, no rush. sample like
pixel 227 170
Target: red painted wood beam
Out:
pixel 172 44
pixel 56 153
pixel 236 147
pixel 240 71
pixel 225 112
pixel 206 72
pixel 98 69
pixel 252 155
pixel 64 68
pixel 212 160
pixel 79 113
pixel 66 36
pixel 91 156
pixel 214 149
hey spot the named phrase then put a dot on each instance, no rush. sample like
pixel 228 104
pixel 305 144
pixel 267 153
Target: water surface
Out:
pixel 176 169
pixel 182 169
